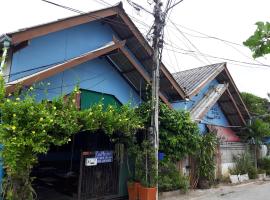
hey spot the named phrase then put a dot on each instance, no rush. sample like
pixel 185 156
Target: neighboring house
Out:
pixel 215 104
pixel 108 58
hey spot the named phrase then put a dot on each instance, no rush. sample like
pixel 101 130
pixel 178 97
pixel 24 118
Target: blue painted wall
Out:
pixel 97 75
pixel 196 98
pixel 60 46
pixel 214 116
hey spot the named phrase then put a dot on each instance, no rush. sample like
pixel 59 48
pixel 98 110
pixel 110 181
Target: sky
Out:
pixel 185 46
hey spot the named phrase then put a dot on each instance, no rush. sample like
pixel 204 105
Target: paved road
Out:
pixel 249 191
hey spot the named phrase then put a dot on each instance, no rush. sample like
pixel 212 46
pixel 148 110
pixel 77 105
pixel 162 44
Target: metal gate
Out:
pixel 97 180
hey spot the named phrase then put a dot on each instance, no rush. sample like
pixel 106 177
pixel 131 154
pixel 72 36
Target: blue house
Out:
pixel 103 53
pixel 215 104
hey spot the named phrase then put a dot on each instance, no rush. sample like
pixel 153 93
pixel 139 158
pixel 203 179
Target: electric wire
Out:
pixel 124 25
pixel 107 20
pixel 188 52
pixel 177 68
pixel 188 40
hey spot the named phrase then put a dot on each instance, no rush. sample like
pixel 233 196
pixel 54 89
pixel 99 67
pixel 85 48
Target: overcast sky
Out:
pixel 231 20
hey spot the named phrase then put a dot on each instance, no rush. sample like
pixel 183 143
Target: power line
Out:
pixel 187 52
pixel 174 54
pixel 209 36
pixel 125 26
pixel 226 43
pixel 188 40
pixel 107 20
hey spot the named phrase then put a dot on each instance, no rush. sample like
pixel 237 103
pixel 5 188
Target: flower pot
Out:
pixel 137 186
pixel 133 191
pixel 262 177
pixel 203 184
pixel 147 193
pixel 234 179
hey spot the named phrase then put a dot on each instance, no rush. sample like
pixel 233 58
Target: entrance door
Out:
pixel 99 169
pixel 99 178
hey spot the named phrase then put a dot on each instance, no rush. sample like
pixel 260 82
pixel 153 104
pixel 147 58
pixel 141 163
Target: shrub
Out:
pixel 184 183
pixel 244 165
pixel 206 157
pixel 261 171
pixel 264 164
pixel 252 172
pixel 170 179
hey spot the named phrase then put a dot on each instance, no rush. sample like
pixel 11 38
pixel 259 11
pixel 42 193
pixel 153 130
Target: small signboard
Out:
pixel 104 156
pixel 90 162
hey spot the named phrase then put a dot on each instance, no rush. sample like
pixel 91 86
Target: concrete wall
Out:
pixel 228 150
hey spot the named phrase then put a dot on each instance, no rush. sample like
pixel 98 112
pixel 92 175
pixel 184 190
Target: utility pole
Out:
pixel 157 47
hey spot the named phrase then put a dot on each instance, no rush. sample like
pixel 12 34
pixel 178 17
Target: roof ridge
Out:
pixel 118 5
pixel 222 63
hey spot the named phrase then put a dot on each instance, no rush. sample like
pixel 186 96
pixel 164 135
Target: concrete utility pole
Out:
pixel 157 46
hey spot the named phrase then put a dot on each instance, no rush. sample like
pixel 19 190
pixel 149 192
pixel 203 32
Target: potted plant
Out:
pixel 133 182
pixel 146 172
pixel 261 174
pixel 133 190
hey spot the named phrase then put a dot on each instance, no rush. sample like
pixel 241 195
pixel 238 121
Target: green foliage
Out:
pixel 244 165
pixel 256 105
pixel 146 171
pixel 206 157
pixel 252 172
pixel 261 171
pixel 124 121
pixel 258 130
pixel 264 164
pixel 179 136
pixel 29 128
pixel 170 179
pixel 259 42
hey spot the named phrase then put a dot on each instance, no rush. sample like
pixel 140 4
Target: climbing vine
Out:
pixel 179 136
pixel 29 128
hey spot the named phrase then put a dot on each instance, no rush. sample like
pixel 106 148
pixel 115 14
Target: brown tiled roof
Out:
pixel 191 79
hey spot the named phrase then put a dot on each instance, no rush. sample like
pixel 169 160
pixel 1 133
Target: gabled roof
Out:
pixel 58 68
pixel 126 59
pixel 119 21
pixel 193 80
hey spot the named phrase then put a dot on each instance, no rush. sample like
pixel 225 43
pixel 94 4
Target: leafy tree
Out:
pixel 259 42
pixel 258 130
pixel 260 120
pixel 256 105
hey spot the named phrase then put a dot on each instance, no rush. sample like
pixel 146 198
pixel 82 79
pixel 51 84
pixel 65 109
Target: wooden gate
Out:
pixel 98 180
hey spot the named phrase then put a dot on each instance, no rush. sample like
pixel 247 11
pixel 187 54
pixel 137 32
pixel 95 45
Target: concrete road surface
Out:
pixel 248 191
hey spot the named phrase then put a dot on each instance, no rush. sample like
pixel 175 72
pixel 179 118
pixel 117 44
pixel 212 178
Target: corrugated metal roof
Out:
pixel 191 79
